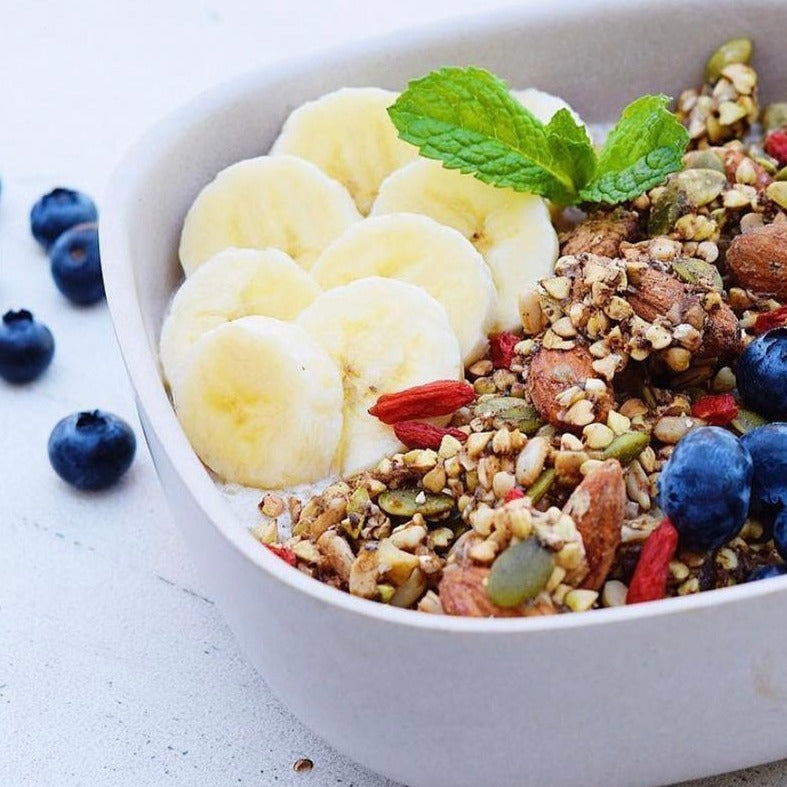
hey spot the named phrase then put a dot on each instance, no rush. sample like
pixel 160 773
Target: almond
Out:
pixel 758 260
pixel 554 371
pixel 597 507
pixel 656 293
pixel 601 233
pixel 462 592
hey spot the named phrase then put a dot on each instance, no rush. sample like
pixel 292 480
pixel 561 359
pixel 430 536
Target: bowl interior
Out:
pixel 598 56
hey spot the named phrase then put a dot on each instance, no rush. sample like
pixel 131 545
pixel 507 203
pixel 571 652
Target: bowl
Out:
pixel 647 694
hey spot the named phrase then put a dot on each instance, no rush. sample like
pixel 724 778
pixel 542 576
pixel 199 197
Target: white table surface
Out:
pixel 115 668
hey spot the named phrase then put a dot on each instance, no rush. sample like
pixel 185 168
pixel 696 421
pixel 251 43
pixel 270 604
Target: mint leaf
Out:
pixel 466 118
pixel 646 144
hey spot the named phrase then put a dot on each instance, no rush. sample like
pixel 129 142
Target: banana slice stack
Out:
pixel 297 312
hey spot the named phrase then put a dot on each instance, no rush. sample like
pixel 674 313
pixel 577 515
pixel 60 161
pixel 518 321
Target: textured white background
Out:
pixel 115 669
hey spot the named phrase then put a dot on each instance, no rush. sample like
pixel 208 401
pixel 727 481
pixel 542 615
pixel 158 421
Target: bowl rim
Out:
pixel 152 399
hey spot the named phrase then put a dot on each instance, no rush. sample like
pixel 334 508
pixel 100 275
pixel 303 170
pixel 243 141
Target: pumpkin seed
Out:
pixel 781 175
pixel 519 573
pixel 667 208
pixel 541 485
pixel 510 411
pixel 695 271
pixel 627 447
pixel 405 503
pixel 775 116
pixel 701 186
pixel 746 420
pixel 736 50
pixel 777 191
pixel 704 159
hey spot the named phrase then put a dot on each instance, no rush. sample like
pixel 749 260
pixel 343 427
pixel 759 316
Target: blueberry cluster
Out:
pixel 714 480
pixel 90 450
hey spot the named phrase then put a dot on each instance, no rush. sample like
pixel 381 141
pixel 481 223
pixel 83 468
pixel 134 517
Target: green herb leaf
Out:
pixel 644 147
pixel 466 118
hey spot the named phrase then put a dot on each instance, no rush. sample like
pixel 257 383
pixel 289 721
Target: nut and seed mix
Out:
pixel 540 495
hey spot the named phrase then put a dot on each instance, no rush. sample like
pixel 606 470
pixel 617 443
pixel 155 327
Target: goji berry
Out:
pixel 776 145
pixel 650 575
pixel 441 397
pixel 415 434
pixel 501 349
pixel 718 409
pixel 513 494
pixel 285 553
pixel 769 320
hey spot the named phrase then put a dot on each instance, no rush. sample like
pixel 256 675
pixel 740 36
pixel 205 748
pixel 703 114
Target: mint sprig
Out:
pixel 466 118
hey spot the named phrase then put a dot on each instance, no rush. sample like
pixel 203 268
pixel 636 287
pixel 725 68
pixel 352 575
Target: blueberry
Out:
pixel 705 487
pixel 780 533
pixel 26 347
pixel 762 374
pixel 91 450
pixel 76 265
pixel 768 448
pixel 58 211
pixel 766 572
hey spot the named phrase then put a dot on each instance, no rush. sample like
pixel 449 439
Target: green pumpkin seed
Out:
pixel 519 573
pixel 746 420
pixel 736 50
pixel 781 174
pixel 777 191
pixel 775 116
pixel 386 592
pixel 701 186
pixel 667 208
pixel 694 271
pixel 405 503
pixel 510 411
pixel 541 485
pixel 627 447
pixel 704 159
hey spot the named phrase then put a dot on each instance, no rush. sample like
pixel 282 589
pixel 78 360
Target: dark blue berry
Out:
pixel 780 533
pixel 705 486
pixel 26 347
pixel 76 265
pixel 766 572
pixel 58 211
pixel 91 450
pixel 768 448
pixel 762 374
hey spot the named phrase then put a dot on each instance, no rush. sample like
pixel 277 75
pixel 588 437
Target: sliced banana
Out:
pixel 543 105
pixel 418 250
pixel 261 403
pixel 385 335
pixel 279 201
pixel 233 283
pixel 349 135
pixel 512 230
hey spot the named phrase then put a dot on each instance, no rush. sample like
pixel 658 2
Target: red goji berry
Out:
pixel 513 494
pixel 285 553
pixel 718 409
pixel 776 145
pixel 441 397
pixel 414 434
pixel 501 349
pixel 769 320
pixel 650 576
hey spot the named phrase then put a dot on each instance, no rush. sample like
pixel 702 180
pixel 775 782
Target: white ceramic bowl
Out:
pixel 649 694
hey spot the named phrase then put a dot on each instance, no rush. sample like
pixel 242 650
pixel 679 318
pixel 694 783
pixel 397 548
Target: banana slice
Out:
pixel 418 250
pixel 385 335
pixel 279 201
pixel 512 230
pixel 261 403
pixel 349 135
pixel 543 105
pixel 233 283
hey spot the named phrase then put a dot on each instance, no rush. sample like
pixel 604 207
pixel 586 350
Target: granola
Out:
pixel 573 418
